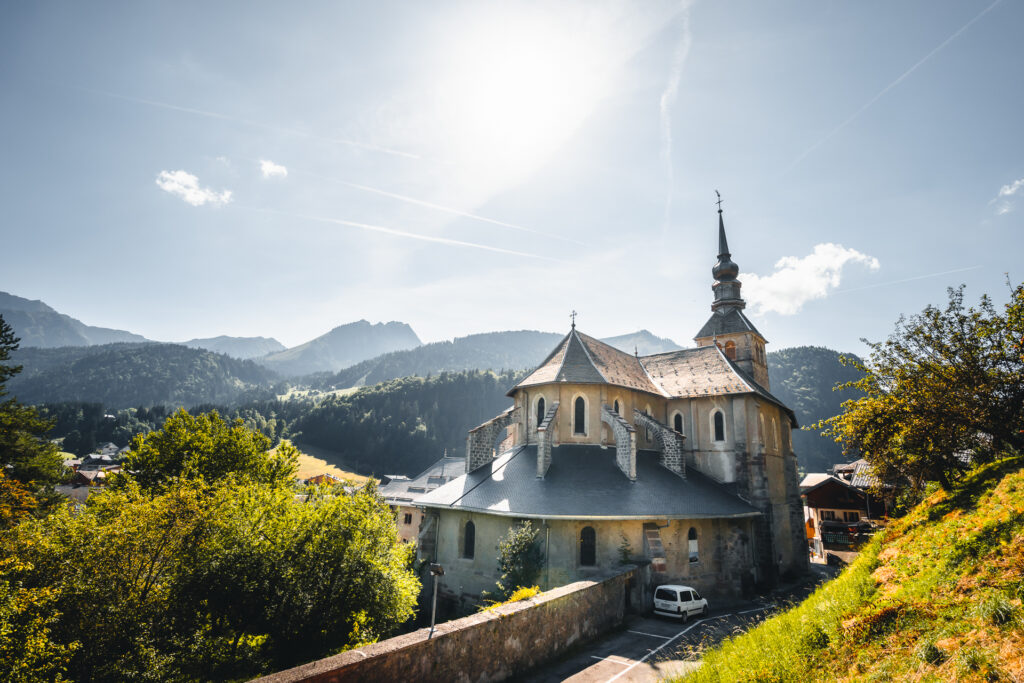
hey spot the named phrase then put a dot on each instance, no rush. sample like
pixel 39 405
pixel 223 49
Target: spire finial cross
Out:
pixel 719 202
pixel 573 316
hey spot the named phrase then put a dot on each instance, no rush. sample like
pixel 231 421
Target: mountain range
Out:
pixel 65 360
pixel 342 347
pixel 39 325
pixel 242 348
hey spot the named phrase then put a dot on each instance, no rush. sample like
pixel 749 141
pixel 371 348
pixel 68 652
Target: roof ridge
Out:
pixel 650 377
pixel 565 343
pixel 587 352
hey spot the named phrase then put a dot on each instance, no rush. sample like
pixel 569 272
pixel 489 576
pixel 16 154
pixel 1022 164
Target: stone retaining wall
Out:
pixel 488 646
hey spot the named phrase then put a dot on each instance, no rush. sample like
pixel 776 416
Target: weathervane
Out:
pixel 573 316
pixel 719 202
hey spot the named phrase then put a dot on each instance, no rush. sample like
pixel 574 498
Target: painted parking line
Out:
pixel 613 661
pixel 681 633
pixel 756 609
pixel 652 635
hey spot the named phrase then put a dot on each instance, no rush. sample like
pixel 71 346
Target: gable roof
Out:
pixel 583 482
pixel 687 373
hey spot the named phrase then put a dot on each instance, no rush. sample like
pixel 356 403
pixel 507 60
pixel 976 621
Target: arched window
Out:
pixel 692 543
pixel 730 350
pixel 540 410
pixel 617 407
pixel 677 423
pixel 588 547
pixel 469 541
pixel 775 433
pixel 763 438
pixel 719 421
pixel 647 430
pixel 579 416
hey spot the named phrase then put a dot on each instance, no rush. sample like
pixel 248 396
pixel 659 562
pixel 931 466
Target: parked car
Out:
pixel 681 602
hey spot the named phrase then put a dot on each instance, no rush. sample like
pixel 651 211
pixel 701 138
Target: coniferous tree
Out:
pixel 24 454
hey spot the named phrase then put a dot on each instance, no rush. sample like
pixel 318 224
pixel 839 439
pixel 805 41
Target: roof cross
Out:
pixel 573 316
pixel 719 202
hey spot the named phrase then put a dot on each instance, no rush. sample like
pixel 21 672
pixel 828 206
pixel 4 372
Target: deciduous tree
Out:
pixel 946 390
pixel 208 448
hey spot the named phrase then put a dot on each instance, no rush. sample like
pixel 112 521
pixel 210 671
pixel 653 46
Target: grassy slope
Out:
pixel 310 465
pixel 936 597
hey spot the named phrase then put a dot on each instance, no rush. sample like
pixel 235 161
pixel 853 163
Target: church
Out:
pixel 683 459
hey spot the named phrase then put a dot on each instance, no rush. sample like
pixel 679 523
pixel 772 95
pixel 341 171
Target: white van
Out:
pixel 679 601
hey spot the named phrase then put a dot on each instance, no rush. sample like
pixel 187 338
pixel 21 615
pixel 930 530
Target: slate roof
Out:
pixel 726 320
pixel 688 373
pixel 581 359
pixel 584 482
pixel 402 490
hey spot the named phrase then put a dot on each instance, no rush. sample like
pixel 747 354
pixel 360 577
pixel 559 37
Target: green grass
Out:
pixel 935 597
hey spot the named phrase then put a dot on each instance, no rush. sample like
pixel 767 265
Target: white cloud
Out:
pixel 798 280
pixel 1011 189
pixel 1004 200
pixel 270 169
pixel 185 185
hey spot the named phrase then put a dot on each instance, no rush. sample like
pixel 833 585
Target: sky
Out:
pixel 193 169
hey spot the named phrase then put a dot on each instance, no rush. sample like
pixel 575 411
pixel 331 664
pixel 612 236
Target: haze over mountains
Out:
pixel 343 346
pixel 237 347
pixel 39 325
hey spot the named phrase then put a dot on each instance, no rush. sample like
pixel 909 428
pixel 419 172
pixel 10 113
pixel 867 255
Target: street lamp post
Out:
pixel 436 570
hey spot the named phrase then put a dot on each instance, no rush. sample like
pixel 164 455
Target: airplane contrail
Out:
pixel 668 97
pixel 401 233
pixel 909 279
pixel 892 85
pixel 438 207
pixel 249 122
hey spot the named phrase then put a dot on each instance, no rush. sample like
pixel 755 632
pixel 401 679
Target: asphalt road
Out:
pixel 647 648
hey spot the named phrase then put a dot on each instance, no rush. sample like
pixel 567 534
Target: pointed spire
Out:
pixel 723 245
pixel 725 269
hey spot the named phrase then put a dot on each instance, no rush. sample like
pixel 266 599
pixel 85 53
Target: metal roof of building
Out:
pixel 402 490
pixel 584 482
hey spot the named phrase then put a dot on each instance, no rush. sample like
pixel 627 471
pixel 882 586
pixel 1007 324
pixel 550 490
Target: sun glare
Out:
pixel 516 89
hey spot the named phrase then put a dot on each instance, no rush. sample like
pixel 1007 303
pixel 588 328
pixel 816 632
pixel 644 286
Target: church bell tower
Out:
pixel 729 328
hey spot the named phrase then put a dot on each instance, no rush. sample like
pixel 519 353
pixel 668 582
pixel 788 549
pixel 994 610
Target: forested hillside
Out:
pixel 490 351
pixel 803 378
pixel 122 375
pixel 404 425
pixel 398 427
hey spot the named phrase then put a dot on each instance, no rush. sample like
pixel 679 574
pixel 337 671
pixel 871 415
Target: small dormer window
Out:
pixel 730 350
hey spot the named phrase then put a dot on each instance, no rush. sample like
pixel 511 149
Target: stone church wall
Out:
pixel 722 570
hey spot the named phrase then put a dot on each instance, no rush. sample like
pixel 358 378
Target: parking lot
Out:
pixel 647 648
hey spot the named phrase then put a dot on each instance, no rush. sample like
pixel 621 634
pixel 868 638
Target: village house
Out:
pixel 400 491
pixel 683 459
